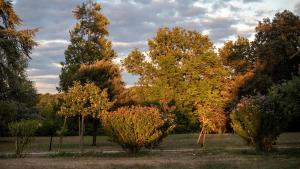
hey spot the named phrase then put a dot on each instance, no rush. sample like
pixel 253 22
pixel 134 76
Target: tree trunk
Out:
pixel 82 135
pixel 201 138
pixel 79 126
pixel 95 127
pixel 50 144
pixel 17 147
pixel 61 134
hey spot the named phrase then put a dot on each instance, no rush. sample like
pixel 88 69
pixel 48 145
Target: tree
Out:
pixel 181 65
pixel 212 119
pixel 89 56
pixel 106 75
pixel 275 42
pixel 271 58
pixel 275 52
pixel 48 106
pixel 238 55
pixel 84 100
pixel 88 42
pixel 15 48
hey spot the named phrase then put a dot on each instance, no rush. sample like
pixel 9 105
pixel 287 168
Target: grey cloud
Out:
pixel 132 22
pixel 144 2
pixel 220 28
pixel 218 35
pixel 250 1
pixel 297 8
pixel 53 17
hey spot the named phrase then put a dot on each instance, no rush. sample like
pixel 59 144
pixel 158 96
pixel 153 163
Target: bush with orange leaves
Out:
pixel 135 127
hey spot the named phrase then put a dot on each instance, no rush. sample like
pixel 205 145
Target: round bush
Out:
pixel 135 127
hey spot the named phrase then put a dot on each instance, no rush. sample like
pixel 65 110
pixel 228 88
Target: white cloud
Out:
pixel 45 87
pixel 48 43
pixel 44 77
pixel 242 27
pixel 117 44
pixel 56 65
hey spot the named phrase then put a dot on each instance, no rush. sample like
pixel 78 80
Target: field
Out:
pixel 177 151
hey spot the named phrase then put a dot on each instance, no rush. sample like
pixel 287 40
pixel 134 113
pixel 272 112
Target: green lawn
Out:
pixel 221 151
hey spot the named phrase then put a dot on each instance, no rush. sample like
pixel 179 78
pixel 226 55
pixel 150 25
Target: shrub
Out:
pixel 255 121
pixel 167 110
pixel 284 99
pixel 260 120
pixel 23 132
pixel 135 127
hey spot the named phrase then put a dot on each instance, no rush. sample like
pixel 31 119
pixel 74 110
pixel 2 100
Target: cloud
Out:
pixel 44 77
pixel 250 1
pixel 46 87
pixel 53 18
pixel 297 8
pixel 133 22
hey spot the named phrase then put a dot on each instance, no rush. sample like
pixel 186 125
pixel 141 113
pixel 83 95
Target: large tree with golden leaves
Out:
pixel 180 66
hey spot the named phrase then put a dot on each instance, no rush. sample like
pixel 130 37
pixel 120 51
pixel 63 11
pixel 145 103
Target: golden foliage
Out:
pixel 85 100
pixel 135 127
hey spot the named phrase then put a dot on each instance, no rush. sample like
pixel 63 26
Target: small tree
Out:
pixel 211 120
pixel 23 132
pixel 84 100
pixel 48 106
pixel 135 127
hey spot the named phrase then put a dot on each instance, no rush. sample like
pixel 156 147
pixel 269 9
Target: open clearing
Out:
pixel 177 151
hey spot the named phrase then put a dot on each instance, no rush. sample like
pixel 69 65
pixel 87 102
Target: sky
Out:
pixel 133 22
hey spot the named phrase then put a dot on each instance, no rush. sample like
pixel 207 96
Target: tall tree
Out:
pixel 89 41
pixel 276 51
pixel 89 56
pixel 16 91
pixel 181 66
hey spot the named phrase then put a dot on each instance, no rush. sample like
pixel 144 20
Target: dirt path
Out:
pixel 164 160
pixel 191 150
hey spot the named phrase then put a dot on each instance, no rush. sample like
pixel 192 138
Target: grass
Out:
pixel 226 151
pixel 175 141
